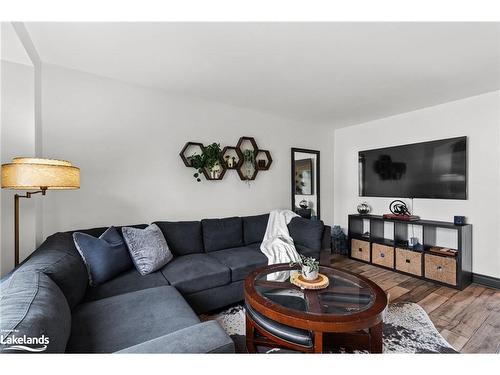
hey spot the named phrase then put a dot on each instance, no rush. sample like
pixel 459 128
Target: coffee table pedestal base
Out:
pixel 324 342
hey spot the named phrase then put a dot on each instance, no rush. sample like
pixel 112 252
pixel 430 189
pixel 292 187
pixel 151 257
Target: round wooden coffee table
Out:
pixel 348 313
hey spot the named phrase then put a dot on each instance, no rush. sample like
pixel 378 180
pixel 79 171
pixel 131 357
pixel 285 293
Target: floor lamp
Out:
pixel 39 175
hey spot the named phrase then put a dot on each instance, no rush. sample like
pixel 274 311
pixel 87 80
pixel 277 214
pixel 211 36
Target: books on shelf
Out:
pixel 443 251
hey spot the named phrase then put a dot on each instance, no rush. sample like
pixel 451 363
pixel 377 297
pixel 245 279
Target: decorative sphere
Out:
pixel 364 208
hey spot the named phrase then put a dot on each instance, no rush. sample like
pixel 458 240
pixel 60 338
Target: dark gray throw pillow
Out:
pixel 105 257
pixel 148 248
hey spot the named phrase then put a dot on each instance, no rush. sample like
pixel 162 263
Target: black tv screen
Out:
pixel 436 169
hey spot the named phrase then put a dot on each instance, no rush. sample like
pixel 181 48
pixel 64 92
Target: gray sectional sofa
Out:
pixel 48 294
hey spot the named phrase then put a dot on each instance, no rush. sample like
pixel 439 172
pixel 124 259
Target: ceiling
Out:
pixel 12 49
pixel 337 73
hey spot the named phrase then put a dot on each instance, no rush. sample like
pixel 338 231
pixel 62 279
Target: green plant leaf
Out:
pixel 209 158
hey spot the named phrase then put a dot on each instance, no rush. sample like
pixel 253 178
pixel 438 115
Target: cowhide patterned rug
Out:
pixel 407 329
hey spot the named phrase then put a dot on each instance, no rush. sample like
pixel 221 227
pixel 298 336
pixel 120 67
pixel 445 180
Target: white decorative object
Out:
pixel 308 273
pixel 303 204
pixel 215 171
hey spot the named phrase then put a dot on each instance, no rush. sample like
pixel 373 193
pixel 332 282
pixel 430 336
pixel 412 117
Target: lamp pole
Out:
pixel 42 190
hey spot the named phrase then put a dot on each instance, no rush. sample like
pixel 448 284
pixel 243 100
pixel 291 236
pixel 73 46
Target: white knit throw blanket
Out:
pixel 277 245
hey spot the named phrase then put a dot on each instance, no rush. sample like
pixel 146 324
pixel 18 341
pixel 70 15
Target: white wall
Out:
pixel 477 118
pixel 18 139
pixel 126 140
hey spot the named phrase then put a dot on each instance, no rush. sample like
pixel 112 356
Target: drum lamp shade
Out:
pixel 34 173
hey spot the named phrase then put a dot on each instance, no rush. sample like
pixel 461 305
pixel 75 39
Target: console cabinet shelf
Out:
pixel 388 243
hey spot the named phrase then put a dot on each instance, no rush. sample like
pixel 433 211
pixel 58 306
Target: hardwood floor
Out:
pixel 469 319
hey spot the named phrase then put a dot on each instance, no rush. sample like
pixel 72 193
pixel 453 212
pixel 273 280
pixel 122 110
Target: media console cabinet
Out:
pixel 387 243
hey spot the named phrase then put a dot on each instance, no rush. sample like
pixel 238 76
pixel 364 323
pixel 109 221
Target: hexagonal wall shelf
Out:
pixel 192 148
pixel 189 150
pixel 263 160
pixel 232 157
pixel 248 169
pixel 221 174
pixel 244 141
pixel 248 174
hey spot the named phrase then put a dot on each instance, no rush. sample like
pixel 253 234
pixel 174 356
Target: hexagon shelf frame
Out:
pixel 250 173
pixel 265 156
pixel 187 158
pixel 187 162
pixel 230 151
pixel 207 175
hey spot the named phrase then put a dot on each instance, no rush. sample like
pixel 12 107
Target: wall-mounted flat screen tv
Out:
pixel 436 169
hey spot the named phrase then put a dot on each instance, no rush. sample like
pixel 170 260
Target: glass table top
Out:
pixel 345 294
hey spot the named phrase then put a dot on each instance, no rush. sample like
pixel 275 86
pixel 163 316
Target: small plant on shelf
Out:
pixel 212 158
pixel 309 267
pixel 209 159
pixel 249 162
pixel 197 163
pixel 249 156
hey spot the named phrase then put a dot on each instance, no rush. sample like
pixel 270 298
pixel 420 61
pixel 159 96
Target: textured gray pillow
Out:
pixel 147 247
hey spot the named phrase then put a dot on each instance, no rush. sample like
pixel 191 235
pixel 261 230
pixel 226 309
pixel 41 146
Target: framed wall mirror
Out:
pixel 305 182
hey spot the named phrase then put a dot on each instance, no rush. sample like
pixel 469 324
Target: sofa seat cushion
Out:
pixel 254 228
pixel 126 282
pixel 195 272
pixel 305 232
pixel 202 338
pixel 118 322
pixel 221 234
pixel 240 260
pixel 32 305
pixel 254 246
pixel 183 237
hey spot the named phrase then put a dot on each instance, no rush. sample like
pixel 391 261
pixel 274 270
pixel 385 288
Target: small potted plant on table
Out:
pixel 309 267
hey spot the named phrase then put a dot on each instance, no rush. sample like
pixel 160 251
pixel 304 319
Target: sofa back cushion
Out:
pixel 58 257
pixel 99 231
pixel 306 232
pixel 254 228
pixel 32 305
pixel 221 234
pixel 183 237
